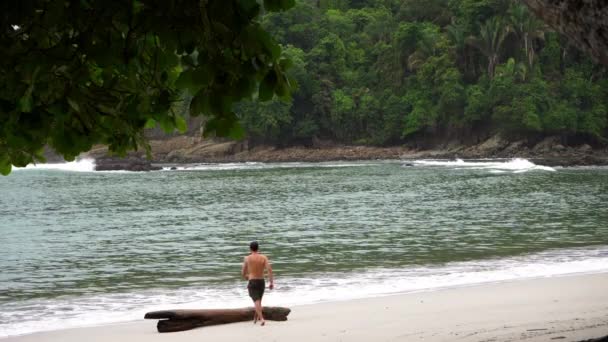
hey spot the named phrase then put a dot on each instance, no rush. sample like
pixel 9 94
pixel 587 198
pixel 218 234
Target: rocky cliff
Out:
pixel 584 22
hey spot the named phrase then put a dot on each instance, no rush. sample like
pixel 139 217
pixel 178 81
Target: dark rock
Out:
pixel 571 160
pixel 585 148
pixel 175 157
pixel 514 148
pixel 546 145
pixel 124 164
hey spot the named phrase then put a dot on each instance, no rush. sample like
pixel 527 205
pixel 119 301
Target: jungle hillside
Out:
pixel 423 72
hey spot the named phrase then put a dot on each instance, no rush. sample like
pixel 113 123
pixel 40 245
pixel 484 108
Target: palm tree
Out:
pixel 457 34
pixel 492 35
pixel 527 28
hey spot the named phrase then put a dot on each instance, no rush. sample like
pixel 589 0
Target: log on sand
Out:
pixel 180 320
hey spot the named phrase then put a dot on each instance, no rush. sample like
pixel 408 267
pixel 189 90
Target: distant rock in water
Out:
pixel 124 164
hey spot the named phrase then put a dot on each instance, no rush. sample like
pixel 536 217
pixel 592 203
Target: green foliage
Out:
pixel 422 116
pixel 385 72
pixel 492 35
pixel 80 73
pixel 584 98
pixel 266 121
pixel 478 106
pixel 424 10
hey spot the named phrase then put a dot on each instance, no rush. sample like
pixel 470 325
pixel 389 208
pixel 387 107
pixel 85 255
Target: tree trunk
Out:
pixel 492 61
pixel 180 320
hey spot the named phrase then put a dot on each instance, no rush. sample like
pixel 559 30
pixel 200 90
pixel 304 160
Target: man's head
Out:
pixel 253 246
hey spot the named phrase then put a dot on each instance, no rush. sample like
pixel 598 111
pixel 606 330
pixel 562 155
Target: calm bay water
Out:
pixel 82 248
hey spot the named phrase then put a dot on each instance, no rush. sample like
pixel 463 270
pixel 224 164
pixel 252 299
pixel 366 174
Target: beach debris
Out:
pixel 180 320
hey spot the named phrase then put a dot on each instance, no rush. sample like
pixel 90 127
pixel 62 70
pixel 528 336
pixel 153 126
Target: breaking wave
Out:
pixel 82 165
pixel 516 165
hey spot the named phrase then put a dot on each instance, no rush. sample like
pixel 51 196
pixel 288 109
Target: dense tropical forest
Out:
pixel 81 73
pixel 392 71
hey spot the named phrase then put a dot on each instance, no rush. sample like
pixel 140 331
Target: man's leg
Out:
pixel 258 311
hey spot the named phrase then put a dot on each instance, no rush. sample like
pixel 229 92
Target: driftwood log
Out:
pixel 180 320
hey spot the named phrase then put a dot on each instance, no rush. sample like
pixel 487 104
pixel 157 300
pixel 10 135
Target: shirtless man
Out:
pixel 253 270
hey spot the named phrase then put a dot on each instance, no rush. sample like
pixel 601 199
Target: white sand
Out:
pixel 568 308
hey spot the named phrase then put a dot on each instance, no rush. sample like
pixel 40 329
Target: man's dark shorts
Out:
pixel 256 288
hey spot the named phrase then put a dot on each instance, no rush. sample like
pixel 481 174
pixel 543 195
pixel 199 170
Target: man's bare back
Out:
pixel 255 264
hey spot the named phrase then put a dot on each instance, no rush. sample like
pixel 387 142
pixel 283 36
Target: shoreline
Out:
pixel 313 156
pixel 570 307
pixel 181 150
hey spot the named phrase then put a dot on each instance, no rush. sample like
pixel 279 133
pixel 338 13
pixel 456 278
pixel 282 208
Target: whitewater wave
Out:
pixel 24 317
pixel 517 165
pixel 82 165
pixel 494 166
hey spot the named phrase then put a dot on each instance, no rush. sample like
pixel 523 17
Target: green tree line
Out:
pixel 392 71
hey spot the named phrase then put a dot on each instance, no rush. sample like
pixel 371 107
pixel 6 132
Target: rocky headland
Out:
pixel 176 150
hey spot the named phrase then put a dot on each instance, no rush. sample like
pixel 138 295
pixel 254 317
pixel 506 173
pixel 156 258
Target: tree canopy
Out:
pixel 82 72
pixel 419 72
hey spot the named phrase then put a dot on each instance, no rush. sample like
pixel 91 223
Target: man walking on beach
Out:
pixel 253 270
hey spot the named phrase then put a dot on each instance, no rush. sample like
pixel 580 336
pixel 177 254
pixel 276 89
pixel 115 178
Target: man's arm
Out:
pixel 244 270
pixel 270 276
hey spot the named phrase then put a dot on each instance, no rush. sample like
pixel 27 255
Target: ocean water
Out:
pixel 84 248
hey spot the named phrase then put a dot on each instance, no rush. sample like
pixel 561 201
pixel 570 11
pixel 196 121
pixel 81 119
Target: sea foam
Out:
pixel 517 165
pixel 82 165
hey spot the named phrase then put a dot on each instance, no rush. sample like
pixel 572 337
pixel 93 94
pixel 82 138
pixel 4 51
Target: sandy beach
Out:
pixel 568 308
